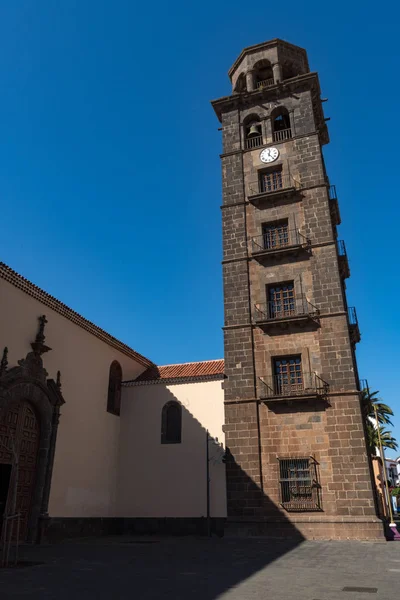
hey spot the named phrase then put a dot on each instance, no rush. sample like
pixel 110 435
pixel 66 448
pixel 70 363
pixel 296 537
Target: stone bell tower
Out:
pixel 296 450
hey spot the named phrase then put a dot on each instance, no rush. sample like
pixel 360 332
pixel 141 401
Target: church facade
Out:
pixel 95 438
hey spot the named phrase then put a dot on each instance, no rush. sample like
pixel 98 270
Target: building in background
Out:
pixel 297 459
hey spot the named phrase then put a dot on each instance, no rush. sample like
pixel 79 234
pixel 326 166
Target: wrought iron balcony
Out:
pixel 283 312
pixel 292 386
pixel 355 335
pixel 253 142
pixel 281 136
pixel 264 83
pixel 334 205
pixel 279 241
pixel 343 260
pixel 272 185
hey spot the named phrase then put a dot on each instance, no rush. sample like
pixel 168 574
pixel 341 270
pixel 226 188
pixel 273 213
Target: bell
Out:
pixel 254 130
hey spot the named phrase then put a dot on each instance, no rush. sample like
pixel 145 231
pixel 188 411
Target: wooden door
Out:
pixel 20 425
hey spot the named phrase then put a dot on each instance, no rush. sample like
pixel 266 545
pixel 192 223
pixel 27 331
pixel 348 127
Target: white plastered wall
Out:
pixel 84 478
pixel 169 480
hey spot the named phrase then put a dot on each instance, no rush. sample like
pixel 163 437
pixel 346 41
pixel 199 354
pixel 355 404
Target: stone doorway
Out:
pixel 19 437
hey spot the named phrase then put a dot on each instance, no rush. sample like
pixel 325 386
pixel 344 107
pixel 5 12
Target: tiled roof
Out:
pixel 29 288
pixel 208 369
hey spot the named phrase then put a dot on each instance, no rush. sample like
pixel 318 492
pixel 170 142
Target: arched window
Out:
pixel 114 388
pixel 263 75
pixel 252 132
pixel 171 423
pixel 240 84
pixel 281 129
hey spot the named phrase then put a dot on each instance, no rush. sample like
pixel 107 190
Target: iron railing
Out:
pixel 278 239
pixel 286 308
pixel 275 181
pixel 253 142
pixel 341 248
pixel 292 385
pixel 283 134
pixel 343 260
pixel 353 320
pixel 334 204
pixel 363 385
pixel 265 83
pixel 300 489
pixel 332 192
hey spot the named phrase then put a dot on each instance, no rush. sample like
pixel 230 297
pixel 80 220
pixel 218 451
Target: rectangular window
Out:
pixel 299 485
pixel 281 301
pixel 271 181
pixel 288 375
pixel 275 235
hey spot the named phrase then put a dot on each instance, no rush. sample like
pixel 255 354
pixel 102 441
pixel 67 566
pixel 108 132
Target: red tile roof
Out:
pixel 193 370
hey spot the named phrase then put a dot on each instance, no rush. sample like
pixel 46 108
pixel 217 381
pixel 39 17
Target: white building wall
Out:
pixel 84 478
pixel 169 480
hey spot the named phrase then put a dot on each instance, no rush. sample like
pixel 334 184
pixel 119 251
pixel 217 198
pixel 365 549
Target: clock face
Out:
pixel 268 155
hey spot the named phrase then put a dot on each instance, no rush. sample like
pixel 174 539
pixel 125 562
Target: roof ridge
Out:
pixel 20 282
pixel 191 362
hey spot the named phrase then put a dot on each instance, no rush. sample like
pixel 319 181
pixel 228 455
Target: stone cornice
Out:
pixel 225 103
pixel 34 291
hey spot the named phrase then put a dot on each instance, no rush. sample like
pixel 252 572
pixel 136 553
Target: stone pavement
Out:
pixel 205 569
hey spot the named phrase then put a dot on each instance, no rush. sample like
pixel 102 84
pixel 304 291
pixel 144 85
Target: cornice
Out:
pixel 62 309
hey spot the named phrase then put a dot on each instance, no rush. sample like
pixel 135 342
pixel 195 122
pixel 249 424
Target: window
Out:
pixel 300 489
pixel 253 133
pixel 275 235
pixel 271 181
pixel 281 301
pixel 281 129
pixel 288 375
pixel 114 389
pixel 263 75
pixel 171 423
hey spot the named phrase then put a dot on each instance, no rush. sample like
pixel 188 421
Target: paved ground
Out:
pixel 202 569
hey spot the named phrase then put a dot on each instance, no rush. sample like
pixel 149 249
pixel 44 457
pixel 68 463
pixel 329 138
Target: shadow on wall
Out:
pixel 167 488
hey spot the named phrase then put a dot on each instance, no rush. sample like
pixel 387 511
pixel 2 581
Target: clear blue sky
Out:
pixel 109 168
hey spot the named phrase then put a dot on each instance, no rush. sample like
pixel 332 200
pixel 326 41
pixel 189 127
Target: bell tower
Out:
pixel 296 450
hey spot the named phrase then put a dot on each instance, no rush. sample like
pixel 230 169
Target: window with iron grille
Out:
pixel 281 301
pixel 299 486
pixel 288 375
pixel 271 180
pixel 275 235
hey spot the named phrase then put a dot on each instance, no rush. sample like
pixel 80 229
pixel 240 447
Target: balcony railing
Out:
pixel 286 309
pixel 277 240
pixel 292 385
pixel 265 83
pixel 284 134
pixel 253 142
pixel 334 205
pixel 343 260
pixel 355 335
pixel 276 182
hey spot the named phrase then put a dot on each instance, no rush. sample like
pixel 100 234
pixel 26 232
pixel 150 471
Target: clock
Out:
pixel 268 155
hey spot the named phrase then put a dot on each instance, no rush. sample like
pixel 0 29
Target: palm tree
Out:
pixel 369 400
pixel 373 439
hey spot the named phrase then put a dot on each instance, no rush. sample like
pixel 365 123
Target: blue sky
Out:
pixel 109 168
